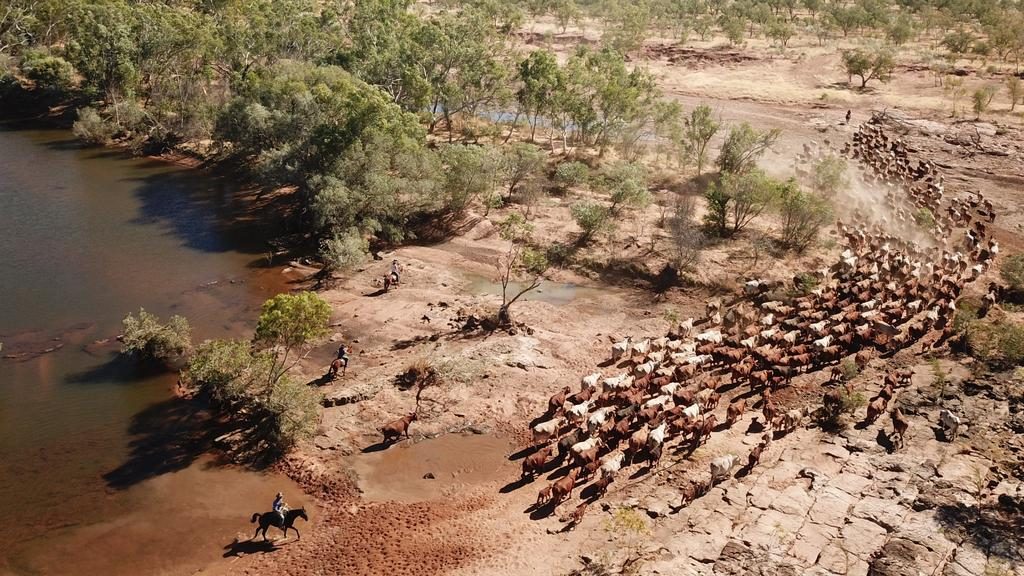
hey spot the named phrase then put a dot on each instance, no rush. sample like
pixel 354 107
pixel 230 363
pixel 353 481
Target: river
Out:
pixel 103 470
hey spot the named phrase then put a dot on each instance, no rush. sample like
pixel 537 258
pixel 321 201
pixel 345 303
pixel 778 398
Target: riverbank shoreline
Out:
pixel 99 454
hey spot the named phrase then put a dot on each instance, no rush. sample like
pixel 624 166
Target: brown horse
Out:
pixel 338 364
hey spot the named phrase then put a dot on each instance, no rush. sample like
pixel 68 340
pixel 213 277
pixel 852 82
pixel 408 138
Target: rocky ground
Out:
pixel 820 502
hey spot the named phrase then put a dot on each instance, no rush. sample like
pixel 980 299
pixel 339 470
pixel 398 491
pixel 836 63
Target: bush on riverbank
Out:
pixel 145 336
pixel 250 380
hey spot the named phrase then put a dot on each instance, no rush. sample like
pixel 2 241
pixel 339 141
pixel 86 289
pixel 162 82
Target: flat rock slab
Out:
pixel 884 513
pixel 852 484
pixel 832 507
pixel 794 500
pixel 861 538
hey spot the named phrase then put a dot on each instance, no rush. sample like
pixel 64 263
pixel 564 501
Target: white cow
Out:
pixel 721 466
pixel 950 424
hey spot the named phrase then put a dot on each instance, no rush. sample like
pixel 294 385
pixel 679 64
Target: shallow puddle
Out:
pixel 558 293
pixel 398 473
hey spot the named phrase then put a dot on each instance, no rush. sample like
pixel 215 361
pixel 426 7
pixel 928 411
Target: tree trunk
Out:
pixel 504 316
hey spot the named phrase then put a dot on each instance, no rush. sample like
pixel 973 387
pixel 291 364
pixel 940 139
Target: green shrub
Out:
pixel 1012 271
pixel 806 282
pixel 803 215
pixel 9 86
pixel 293 413
pixel 227 370
pixel 739 197
pixel 570 174
pixel 344 251
pixel 559 254
pixel 91 127
pixel 50 74
pixel 925 218
pixel 146 336
pixel 626 184
pixel 849 369
pixel 997 341
pixel 743 146
pixel 591 218
pixel 235 376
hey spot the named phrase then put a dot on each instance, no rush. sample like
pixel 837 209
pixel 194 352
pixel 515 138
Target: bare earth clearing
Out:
pixel 818 503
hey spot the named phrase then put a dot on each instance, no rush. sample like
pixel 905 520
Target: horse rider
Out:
pixel 280 507
pixel 343 356
pixel 395 271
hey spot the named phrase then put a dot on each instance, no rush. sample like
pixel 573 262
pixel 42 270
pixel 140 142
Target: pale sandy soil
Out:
pixel 379 515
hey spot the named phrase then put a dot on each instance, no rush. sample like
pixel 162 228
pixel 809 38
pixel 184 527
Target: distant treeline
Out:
pixel 376 109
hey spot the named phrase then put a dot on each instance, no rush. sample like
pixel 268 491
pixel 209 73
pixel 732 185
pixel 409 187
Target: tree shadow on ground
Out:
pixel 167 437
pixel 995 528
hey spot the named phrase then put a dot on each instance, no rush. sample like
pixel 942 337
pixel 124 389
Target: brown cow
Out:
pixel 735 411
pixel 637 442
pixel 562 487
pixel 395 429
pixel 769 411
pixel 557 401
pixel 601 486
pixel 755 455
pixel 544 496
pixel 708 426
pixel 587 456
pixel 576 516
pixel 899 424
pixel 712 401
pixel 581 396
pixel 535 462
pixel 833 403
pixel 875 409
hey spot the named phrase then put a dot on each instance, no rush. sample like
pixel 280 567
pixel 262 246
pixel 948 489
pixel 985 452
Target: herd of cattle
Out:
pixel 885 293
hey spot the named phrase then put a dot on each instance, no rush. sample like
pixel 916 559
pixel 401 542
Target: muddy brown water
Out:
pixel 102 468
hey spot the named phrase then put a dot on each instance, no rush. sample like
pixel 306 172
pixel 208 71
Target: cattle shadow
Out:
pixel 589 493
pixel 885 441
pixel 378 447
pixel 559 472
pixel 641 472
pixel 729 386
pixel 744 471
pixel 378 293
pixel 239 548
pixel 755 427
pixel 524 452
pixel 542 418
pixel 516 485
pixel 542 512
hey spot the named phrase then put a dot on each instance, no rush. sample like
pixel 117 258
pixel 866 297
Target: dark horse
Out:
pixel 268 519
